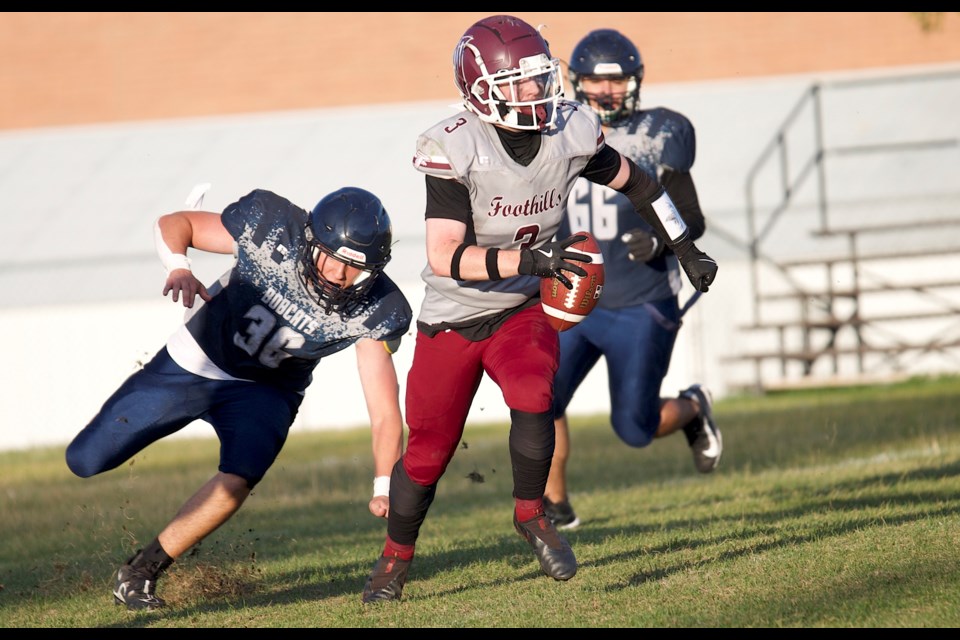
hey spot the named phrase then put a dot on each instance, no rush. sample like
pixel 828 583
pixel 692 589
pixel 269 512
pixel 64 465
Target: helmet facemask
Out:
pixel 331 296
pixel 505 97
pixel 604 105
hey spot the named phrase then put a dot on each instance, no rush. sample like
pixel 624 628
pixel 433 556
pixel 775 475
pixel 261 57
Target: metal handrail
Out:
pixel 813 167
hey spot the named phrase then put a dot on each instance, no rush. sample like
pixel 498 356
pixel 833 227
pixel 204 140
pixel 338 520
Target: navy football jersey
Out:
pixel 261 324
pixel 656 139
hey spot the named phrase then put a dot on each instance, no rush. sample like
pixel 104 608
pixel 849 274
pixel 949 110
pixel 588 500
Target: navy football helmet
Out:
pixel 505 74
pixel 351 226
pixel 607 52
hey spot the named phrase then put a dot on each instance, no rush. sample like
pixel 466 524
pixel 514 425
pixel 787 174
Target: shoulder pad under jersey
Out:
pixel 581 125
pixel 431 159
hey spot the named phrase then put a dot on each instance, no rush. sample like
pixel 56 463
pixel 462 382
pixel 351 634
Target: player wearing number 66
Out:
pixel 303 286
pixel 635 326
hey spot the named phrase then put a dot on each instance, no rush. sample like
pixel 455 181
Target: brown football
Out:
pixel 564 307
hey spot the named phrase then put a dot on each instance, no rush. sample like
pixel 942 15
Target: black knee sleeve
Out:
pixel 409 503
pixel 532 434
pixel 532 439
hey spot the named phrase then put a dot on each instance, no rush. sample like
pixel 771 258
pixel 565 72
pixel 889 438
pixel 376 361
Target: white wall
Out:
pixel 50 399
pixel 76 319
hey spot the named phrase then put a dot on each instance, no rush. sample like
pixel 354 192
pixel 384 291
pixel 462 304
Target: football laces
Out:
pixel 570 300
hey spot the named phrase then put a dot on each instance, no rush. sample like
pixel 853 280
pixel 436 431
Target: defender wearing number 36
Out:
pixel 498 175
pixel 303 286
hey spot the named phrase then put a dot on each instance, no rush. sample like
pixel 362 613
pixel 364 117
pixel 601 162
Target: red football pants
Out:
pixel 520 357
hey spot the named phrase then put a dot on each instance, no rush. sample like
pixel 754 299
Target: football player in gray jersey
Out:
pixel 642 277
pixel 303 286
pixel 498 175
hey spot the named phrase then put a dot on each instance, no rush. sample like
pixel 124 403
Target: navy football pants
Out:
pixel 637 347
pixel 250 419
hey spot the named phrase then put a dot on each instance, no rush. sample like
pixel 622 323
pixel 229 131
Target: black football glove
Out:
pixel 700 268
pixel 642 245
pixel 548 260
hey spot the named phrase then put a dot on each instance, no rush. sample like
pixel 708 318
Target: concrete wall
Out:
pixel 111 118
pixel 79 319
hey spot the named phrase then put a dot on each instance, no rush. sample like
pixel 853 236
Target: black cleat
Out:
pixel 561 514
pixel 135 589
pixel 702 433
pixel 386 580
pixel 552 550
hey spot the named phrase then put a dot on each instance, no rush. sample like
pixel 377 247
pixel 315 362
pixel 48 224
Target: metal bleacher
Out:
pixel 854 235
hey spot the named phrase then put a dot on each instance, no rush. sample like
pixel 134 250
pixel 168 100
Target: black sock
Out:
pixel 152 560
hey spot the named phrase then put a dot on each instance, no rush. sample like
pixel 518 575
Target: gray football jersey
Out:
pixel 513 206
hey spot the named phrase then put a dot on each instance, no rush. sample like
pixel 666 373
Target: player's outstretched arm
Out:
pixel 653 203
pixel 378 377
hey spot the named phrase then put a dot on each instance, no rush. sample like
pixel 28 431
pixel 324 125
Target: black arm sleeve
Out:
pixel 603 167
pixel 640 188
pixel 447 199
pixel 679 186
pixel 642 191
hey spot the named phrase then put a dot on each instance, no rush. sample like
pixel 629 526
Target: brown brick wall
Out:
pixel 74 68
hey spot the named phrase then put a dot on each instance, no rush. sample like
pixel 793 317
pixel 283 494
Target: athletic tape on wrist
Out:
pixel 381 486
pixel 176 261
pixel 670 218
pixel 168 259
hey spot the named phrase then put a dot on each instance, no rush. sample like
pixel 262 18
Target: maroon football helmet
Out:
pixel 506 75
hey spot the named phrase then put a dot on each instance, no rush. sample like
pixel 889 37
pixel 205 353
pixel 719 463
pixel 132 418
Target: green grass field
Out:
pixel 831 508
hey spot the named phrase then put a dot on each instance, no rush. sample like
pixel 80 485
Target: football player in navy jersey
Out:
pixel 635 323
pixel 303 286
pixel 497 176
